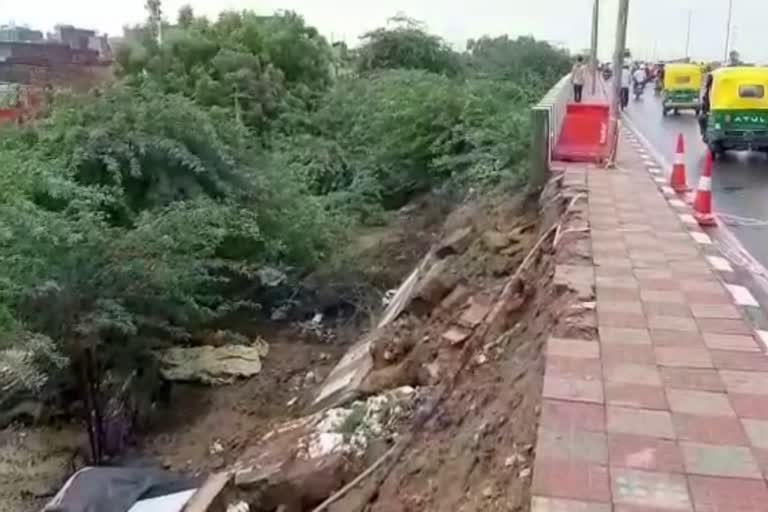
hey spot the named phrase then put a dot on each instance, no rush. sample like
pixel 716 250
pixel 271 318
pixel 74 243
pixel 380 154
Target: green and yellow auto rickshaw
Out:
pixel 682 88
pixel 736 110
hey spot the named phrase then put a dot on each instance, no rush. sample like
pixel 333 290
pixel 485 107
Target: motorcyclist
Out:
pixel 639 79
pixel 660 78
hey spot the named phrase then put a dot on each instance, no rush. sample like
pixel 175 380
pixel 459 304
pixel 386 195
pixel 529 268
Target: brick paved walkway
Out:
pixel 668 409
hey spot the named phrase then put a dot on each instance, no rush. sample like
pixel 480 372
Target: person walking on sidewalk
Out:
pixel 626 82
pixel 578 75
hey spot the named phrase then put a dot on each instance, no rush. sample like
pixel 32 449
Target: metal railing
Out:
pixel 546 121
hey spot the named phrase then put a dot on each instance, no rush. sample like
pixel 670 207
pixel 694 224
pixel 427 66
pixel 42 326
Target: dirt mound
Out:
pixel 473 450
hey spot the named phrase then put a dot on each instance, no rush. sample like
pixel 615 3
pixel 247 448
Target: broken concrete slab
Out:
pixel 213 365
pixel 456 335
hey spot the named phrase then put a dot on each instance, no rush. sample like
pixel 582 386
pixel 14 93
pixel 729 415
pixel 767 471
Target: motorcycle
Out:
pixel 638 90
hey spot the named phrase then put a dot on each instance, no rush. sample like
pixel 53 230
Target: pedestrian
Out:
pixel 626 82
pixel 578 75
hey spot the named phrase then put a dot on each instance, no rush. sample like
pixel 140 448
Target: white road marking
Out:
pixel 676 202
pixel 687 218
pixel 701 238
pixel 659 180
pixel 654 170
pixel 720 264
pixel 742 296
pixel 668 190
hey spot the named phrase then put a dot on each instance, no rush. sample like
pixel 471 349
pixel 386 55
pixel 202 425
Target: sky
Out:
pixel 657 28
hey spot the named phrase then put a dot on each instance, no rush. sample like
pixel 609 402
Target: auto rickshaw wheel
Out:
pixel 677 112
pixel 698 112
pixel 717 150
pixel 664 111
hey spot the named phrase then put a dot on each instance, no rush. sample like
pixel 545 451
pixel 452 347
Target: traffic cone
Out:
pixel 702 203
pixel 677 180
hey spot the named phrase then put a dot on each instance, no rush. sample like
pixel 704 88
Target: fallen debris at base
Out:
pixel 213 365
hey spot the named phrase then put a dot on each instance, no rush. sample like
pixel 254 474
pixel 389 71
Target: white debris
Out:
pixel 325 443
pixel 240 506
pixel 349 429
pixel 216 448
pixel 388 296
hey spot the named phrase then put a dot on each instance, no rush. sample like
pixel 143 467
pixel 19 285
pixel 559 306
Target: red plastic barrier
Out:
pixel 584 136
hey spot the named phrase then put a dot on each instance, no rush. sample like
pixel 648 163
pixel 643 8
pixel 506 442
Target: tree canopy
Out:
pixel 135 216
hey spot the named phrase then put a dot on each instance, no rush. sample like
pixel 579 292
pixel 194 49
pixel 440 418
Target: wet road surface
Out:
pixel 739 181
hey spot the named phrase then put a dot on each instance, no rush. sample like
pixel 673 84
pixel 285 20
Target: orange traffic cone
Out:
pixel 677 180
pixel 702 203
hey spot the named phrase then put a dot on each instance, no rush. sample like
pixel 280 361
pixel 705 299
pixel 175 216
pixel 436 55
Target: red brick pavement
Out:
pixel 667 409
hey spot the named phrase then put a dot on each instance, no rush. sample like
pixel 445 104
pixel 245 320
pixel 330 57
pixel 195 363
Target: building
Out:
pixel 23 34
pixel 81 39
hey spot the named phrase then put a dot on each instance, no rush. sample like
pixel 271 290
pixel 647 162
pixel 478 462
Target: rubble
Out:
pixel 213 365
pixel 349 429
pixel 455 243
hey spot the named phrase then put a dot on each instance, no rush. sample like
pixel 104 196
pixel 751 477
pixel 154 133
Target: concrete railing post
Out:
pixel 546 121
pixel 540 149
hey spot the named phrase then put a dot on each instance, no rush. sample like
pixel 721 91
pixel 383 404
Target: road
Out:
pixel 739 181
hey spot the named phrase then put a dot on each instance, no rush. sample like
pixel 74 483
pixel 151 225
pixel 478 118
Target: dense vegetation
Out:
pixel 139 214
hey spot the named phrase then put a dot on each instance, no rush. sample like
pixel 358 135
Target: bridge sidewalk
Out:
pixel 667 409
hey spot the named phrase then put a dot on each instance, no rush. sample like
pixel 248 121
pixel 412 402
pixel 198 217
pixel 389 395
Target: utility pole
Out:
pixel 593 56
pixel 618 65
pixel 728 32
pixel 688 36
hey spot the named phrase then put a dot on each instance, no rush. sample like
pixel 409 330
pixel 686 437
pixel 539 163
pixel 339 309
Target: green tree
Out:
pixel 186 16
pixel 518 59
pixel 407 46
pixel 243 62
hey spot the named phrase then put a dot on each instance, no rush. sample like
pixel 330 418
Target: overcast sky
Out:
pixel 656 27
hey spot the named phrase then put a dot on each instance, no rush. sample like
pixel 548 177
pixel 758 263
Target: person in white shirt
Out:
pixel 640 76
pixel 626 82
pixel 578 76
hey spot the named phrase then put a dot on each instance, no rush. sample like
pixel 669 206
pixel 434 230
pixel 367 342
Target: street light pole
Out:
pixel 728 31
pixel 618 65
pixel 688 35
pixel 593 53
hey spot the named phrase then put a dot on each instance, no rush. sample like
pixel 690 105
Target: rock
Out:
pixel 455 243
pixel 213 365
pixel 436 284
pixel 308 482
pixel 456 298
pixel 496 241
pixel 524 473
pixel 475 314
pixel 456 335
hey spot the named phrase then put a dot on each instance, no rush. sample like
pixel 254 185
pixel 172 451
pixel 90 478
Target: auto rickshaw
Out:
pixel 682 86
pixel 736 116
